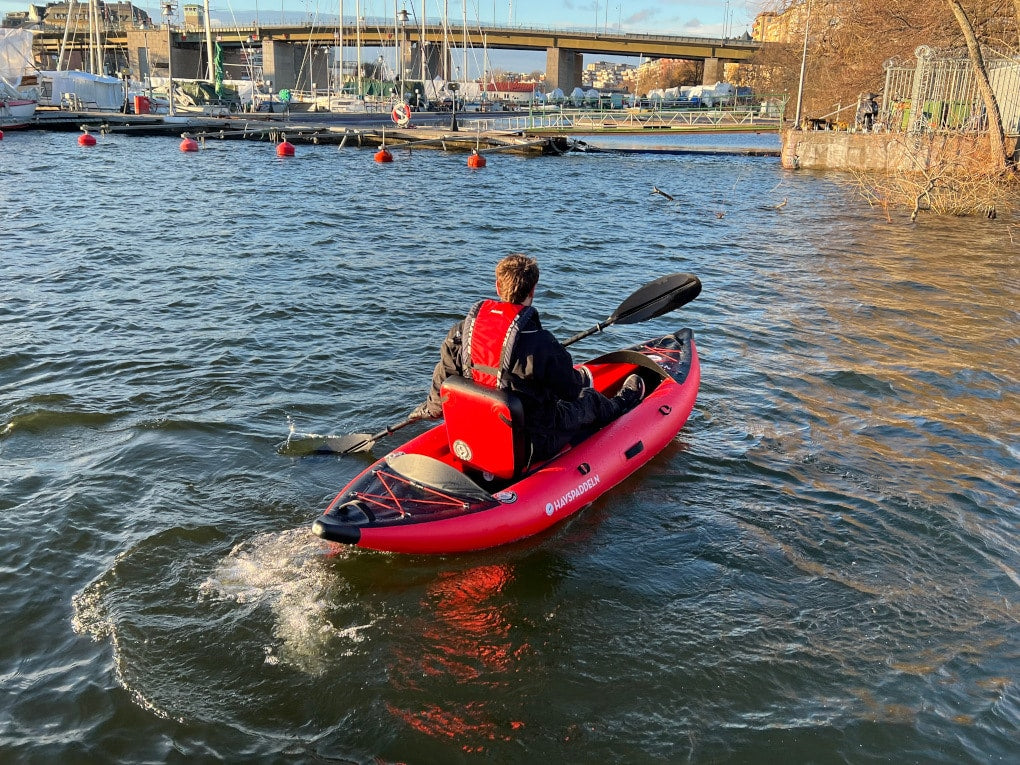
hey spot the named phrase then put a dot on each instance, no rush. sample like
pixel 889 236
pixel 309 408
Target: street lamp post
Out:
pixel 402 18
pixel 169 7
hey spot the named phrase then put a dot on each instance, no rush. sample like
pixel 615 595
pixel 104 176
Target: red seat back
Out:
pixel 484 427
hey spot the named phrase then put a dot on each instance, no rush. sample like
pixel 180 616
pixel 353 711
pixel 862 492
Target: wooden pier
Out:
pixel 276 128
pixel 433 130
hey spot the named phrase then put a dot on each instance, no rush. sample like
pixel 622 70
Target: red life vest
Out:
pixel 490 335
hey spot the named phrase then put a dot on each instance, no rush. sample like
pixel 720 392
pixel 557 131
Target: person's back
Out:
pixel 502 344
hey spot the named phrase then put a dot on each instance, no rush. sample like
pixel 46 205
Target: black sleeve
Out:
pixel 449 364
pixel 558 373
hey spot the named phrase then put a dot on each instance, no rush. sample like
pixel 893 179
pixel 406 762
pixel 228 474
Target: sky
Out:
pixel 695 18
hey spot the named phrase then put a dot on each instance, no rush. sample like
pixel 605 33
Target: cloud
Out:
pixel 641 17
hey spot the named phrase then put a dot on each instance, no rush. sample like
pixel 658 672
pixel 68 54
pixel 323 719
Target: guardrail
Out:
pixel 598 121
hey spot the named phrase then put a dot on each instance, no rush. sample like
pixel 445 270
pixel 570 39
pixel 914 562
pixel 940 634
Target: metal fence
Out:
pixel 940 94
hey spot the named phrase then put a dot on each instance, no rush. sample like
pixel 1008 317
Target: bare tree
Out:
pixel 850 41
pixel 996 134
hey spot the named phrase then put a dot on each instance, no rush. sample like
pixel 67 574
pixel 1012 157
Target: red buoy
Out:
pixel 189 144
pixel 383 155
pixel 86 140
pixel 1 135
pixel 476 160
pixel 285 149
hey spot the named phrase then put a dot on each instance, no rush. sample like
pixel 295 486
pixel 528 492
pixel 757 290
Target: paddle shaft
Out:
pixel 362 443
pixel 653 299
pixel 590 331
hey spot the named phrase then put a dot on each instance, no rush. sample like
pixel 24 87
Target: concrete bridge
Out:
pixel 283 48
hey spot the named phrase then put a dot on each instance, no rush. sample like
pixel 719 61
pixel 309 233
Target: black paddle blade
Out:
pixel 310 444
pixel 350 444
pixel 665 294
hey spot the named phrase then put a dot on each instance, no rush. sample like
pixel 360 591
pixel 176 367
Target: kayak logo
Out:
pixel 506 497
pixel 462 450
pixel 570 496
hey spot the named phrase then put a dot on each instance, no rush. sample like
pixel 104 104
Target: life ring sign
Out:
pixel 401 114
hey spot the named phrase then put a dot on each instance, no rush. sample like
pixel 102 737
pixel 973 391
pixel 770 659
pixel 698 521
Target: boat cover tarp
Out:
pixel 201 92
pixel 15 55
pixel 95 91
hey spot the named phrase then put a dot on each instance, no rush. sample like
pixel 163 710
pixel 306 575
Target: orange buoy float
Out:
pixel 476 160
pixel 285 148
pixel 85 139
pixel 189 143
pixel 383 155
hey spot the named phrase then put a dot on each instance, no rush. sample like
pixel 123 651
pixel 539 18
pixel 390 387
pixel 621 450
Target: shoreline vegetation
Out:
pixel 847 47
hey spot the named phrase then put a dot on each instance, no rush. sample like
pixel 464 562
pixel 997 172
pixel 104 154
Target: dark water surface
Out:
pixel 822 568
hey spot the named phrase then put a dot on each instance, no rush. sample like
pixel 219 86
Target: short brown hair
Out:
pixel 516 277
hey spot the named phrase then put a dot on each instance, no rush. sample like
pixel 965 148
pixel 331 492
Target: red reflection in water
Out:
pixel 466 662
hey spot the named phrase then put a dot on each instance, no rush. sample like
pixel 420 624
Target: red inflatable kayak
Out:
pixel 423 498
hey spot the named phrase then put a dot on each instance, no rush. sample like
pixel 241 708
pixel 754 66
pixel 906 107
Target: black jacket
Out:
pixel 541 373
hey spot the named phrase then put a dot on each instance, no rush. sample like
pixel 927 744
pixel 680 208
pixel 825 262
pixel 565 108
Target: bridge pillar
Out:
pixel 148 54
pixel 563 69
pixel 434 65
pixel 282 66
pixel 713 71
pixel 281 62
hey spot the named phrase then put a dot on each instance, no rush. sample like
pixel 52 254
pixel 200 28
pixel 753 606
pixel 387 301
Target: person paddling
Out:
pixel 501 344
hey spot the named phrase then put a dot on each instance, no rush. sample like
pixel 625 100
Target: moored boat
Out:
pixel 423 497
pixel 16 112
pixel 18 99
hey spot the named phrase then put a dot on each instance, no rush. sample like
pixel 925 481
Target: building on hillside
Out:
pixel 194 17
pixel 30 19
pixel 603 75
pixel 650 75
pixel 788 26
pixel 121 15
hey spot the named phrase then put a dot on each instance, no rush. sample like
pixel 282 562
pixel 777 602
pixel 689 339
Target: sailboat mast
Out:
pixel 94 37
pixel 340 45
pixel 208 45
pixel 357 32
pixel 446 39
pixel 71 12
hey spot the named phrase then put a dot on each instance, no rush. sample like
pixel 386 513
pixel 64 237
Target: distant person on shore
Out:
pixel 507 348
pixel 866 112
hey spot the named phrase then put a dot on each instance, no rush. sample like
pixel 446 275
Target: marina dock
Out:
pixel 472 132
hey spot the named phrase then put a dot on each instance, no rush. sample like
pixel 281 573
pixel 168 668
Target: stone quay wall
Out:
pixel 875 152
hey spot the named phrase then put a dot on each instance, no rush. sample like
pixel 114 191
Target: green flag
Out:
pixel 218 69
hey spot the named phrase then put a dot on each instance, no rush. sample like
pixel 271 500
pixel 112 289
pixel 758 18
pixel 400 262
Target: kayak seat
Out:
pixel 485 427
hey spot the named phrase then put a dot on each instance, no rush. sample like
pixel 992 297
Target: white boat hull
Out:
pixel 16 113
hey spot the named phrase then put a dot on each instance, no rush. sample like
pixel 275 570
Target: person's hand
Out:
pixel 587 380
pixel 422 412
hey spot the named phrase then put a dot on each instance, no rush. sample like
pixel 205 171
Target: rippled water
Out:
pixel 823 567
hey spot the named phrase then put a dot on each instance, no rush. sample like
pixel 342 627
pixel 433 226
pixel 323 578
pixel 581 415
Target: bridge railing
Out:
pixel 382 22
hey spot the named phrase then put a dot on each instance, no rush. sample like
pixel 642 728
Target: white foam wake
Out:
pixel 289 573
